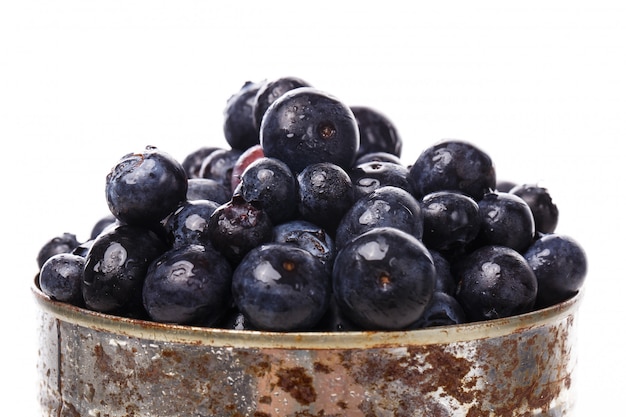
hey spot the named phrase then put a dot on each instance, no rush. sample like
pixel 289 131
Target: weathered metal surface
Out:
pixel 97 365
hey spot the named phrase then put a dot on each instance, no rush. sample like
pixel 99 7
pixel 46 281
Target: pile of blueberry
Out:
pixel 309 221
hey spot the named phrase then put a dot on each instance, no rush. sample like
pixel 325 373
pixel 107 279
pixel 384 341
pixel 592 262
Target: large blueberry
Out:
pixel 281 287
pixel 143 188
pixel 378 133
pixel 383 279
pixel 116 266
pixel 189 224
pixel 61 278
pixel 237 226
pixel 545 211
pixel 240 129
pixel 271 90
pixel 505 220
pixel 451 220
pixel 306 126
pixel 386 206
pixel 325 193
pixel 269 184
pixel 560 265
pixel 453 165
pixel 495 282
pixel 188 285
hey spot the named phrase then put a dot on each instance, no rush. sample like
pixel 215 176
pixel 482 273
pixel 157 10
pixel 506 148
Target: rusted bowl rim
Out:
pixel 161 332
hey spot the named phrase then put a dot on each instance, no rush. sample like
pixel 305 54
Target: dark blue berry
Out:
pixel 386 206
pixel 143 188
pixel 444 279
pixel 307 236
pixel 560 265
pixel 505 220
pixel 377 132
pixel 240 128
pixel 193 161
pixel 219 165
pixel 102 225
pixel 378 157
pixel 325 193
pixel 495 282
pixel 189 224
pixel 208 189
pixel 270 184
pixel 443 310
pixel 280 287
pixel 453 165
pixel 64 243
pixel 369 176
pixel 237 226
pixel 306 126
pixel 61 278
pixel 188 285
pixel 545 212
pixel 269 91
pixel 383 279
pixel 451 220
pixel 116 266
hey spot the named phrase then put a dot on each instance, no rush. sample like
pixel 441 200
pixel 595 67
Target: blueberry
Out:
pixel 269 91
pixel 246 158
pixel 495 282
pixel 560 265
pixel 189 224
pixel 269 184
pixel 193 161
pixel 451 220
pixel 143 188
pixel 208 189
pixel 240 129
pixel 386 206
pixel 505 220
pixel 280 287
pixel 377 132
pixel 64 243
pixel 453 165
pixel 188 285
pixel 307 236
pixel 383 279
pixel 306 126
pixel 325 193
pixel 237 226
pixel 61 278
pixel 102 224
pixel 378 157
pixel 444 279
pixel 544 210
pixel 443 310
pixel 369 176
pixel 116 266
pixel 219 165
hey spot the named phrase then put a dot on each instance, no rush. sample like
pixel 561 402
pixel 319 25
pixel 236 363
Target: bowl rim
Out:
pixel 207 336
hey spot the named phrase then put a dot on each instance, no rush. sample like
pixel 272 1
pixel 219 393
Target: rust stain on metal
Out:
pixel 297 383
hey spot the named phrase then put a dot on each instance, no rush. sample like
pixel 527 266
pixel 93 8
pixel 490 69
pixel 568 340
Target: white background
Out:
pixel 540 86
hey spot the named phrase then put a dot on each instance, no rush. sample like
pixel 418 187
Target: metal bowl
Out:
pixel 93 364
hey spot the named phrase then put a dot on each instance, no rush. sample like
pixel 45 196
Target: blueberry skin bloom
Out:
pixel 188 285
pixel 281 287
pixel 383 279
pixel 143 188
pixel 560 265
pixel 496 282
pixel 453 165
pixel 306 126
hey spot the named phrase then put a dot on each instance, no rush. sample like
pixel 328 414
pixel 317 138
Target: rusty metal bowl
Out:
pixel 93 364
